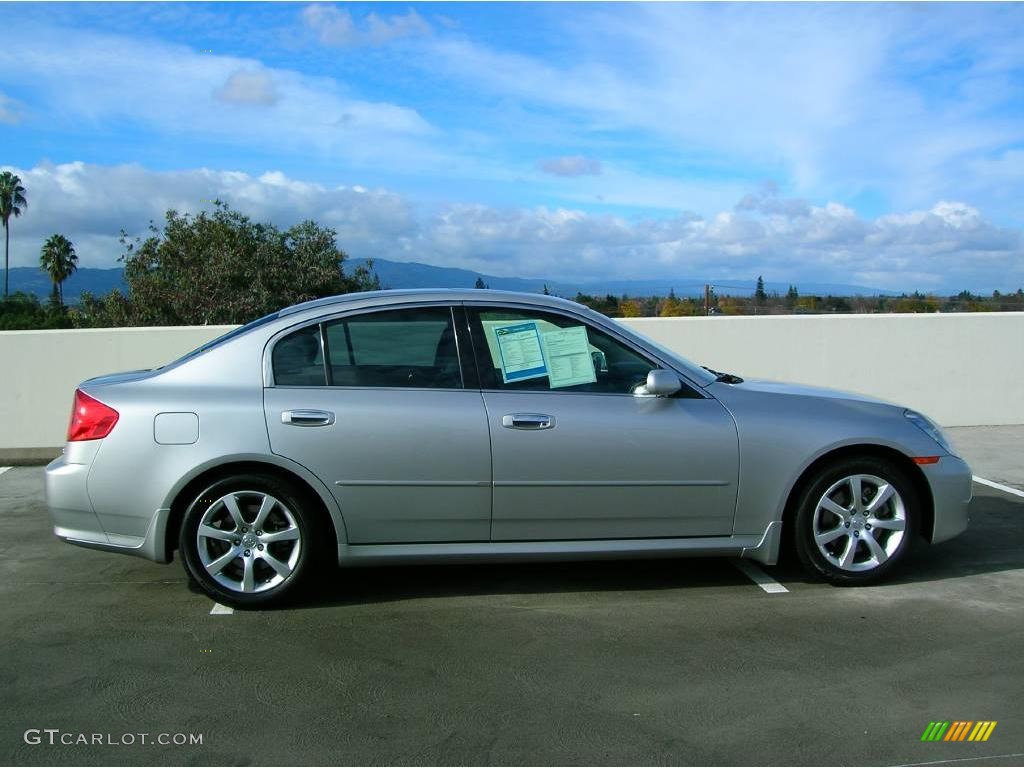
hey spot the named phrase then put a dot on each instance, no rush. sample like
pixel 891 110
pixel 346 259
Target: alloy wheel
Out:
pixel 248 541
pixel 859 522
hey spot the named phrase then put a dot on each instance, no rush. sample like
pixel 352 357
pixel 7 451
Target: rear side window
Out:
pixel 298 359
pixel 396 348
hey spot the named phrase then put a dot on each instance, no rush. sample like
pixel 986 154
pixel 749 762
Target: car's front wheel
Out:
pixel 856 521
pixel 248 540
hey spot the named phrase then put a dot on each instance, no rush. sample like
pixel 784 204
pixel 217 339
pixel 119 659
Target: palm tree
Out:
pixel 58 259
pixel 12 201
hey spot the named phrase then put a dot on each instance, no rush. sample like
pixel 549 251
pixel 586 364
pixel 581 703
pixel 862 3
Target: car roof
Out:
pixel 427 294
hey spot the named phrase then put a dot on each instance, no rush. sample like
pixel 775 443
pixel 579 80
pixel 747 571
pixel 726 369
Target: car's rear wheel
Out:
pixel 856 521
pixel 248 541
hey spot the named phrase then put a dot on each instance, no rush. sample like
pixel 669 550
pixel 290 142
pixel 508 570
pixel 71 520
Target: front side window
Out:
pixel 542 351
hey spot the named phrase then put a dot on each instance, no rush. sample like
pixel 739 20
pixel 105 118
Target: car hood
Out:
pixel 802 390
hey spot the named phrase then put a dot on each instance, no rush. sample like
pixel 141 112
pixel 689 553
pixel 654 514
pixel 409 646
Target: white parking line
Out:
pixel 4 469
pixel 998 486
pixel 221 610
pixel 965 759
pixel 759 577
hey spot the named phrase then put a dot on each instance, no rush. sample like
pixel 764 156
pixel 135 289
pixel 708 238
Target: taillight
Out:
pixel 90 419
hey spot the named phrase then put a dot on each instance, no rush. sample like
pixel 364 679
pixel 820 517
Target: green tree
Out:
pixel 791 297
pixel 480 283
pixel 221 267
pixel 22 312
pixel 110 310
pixel 759 295
pixel 630 308
pixel 546 291
pixel 671 306
pixel 59 260
pixel 12 203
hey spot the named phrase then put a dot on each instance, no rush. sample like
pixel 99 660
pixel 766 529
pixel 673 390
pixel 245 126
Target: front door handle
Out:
pixel 527 421
pixel 307 418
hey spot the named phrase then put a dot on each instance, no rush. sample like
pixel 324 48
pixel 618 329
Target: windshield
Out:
pixel 232 334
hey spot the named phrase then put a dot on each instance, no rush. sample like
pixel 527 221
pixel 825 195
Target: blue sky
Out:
pixel 879 145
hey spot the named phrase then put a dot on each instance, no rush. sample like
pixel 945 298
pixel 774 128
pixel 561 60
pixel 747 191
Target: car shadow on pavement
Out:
pixel 993 543
pixel 350 586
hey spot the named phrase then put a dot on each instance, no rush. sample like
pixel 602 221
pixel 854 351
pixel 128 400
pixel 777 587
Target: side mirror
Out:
pixel 660 383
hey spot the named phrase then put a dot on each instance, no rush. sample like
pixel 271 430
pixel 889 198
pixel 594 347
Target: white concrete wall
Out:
pixel 960 369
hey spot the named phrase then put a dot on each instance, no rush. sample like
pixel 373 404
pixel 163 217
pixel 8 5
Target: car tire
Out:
pixel 849 539
pixel 249 541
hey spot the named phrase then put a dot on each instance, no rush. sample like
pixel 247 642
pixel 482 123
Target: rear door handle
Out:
pixel 527 421
pixel 307 418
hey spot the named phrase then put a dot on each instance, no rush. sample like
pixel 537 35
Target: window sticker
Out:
pixel 519 346
pixel 567 352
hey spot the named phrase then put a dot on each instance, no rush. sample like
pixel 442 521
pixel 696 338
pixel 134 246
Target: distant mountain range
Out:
pixel 401 274
pixel 96 281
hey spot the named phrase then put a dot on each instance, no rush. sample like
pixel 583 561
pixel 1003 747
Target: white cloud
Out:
pixel 903 101
pixel 950 244
pixel 767 200
pixel 571 165
pixel 92 203
pixel 335 26
pixel 248 87
pixel 97 80
pixel 383 29
pixel 10 110
pixel 332 25
pixel 686 105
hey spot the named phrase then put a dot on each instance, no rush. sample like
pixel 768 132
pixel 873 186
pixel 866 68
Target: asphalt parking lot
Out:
pixel 635 662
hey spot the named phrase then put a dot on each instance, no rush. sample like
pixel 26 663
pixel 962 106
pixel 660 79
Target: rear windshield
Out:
pixel 233 334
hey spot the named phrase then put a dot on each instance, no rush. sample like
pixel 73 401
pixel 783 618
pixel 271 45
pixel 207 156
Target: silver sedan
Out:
pixel 417 426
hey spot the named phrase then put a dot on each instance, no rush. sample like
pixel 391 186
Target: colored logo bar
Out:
pixel 959 730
